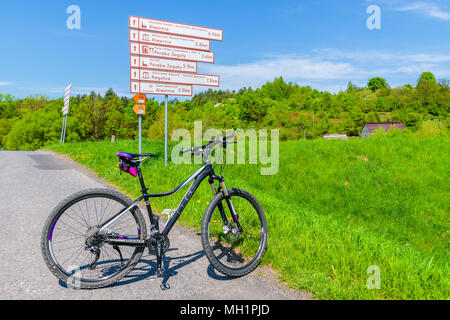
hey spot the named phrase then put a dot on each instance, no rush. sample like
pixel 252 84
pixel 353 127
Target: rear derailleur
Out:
pixel 94 242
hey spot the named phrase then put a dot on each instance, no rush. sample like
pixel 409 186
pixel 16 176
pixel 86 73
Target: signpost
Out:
pixel 176 28
pixel 174 77
pixel 160 88
pixel 172 53
pixel 65 111
pixel 163 61
pixel 163 64
pixel 169 40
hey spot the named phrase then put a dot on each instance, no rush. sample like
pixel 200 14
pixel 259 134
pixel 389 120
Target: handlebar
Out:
pixel 206 149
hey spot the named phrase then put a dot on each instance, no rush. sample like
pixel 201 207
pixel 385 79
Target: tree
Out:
pixel 427 92
pixel 8 106
pixel 425 77
pixel 377 83
pixel 350 87
pixel 36 121
pixel 277 90
pixel 109 94
pixel 40 128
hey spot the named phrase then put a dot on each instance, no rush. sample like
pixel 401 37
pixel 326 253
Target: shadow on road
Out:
pixel 146 268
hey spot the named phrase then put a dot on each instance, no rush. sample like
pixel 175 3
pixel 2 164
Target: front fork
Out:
pixel 234 215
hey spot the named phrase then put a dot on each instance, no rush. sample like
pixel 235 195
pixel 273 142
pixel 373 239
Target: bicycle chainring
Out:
pixel 158 237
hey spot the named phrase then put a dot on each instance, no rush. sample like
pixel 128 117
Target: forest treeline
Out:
pixel 299 112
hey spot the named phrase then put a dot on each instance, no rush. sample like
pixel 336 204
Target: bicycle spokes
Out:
pixel 77 249
pixel 237 242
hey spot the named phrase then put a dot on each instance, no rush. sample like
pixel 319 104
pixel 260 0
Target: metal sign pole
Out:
pixel 65 111
pixel 165 131
pixel 140 133
pixel 139 109
pixel 64 132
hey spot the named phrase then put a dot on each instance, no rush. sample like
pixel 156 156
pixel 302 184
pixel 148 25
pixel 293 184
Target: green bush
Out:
pixel 431 129
pixel 299 112
pixel 393 132
pixel 40 128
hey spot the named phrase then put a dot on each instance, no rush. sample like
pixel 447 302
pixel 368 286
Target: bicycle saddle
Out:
pixel 129 155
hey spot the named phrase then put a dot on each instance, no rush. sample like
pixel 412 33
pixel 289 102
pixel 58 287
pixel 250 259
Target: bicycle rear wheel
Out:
pixel 67 245
pixel 234 246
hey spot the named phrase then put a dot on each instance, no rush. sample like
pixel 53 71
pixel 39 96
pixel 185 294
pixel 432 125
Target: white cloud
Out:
pixel 331 69
pixel 4 83
pixel 290 67
pixel 427 8
pixel 378 56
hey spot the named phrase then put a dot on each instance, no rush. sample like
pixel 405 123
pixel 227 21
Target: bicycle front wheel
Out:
pixel 67 245
pixel 234 242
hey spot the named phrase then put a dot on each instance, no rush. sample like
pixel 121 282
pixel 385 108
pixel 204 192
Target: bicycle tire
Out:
pixel 207 235
pixel 58 212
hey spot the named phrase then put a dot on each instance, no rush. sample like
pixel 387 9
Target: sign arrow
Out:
pixel 139 109
pixel 140 99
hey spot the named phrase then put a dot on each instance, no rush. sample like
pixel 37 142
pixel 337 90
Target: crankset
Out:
pixel 158 243
pixel 156 238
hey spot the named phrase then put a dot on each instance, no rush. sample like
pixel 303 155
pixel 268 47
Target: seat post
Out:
pixel 153 221
pixel 141 179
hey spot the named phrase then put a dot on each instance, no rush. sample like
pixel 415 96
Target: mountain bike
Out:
pixel 95 237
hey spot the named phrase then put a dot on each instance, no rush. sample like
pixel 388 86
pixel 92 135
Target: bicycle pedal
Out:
pixel 164 286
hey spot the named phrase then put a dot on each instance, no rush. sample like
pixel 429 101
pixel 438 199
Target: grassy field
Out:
pixel 334 209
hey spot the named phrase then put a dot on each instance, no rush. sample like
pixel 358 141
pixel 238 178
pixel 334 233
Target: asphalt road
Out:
pixel 33 183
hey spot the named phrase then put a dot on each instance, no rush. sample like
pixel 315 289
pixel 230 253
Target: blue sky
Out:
pixel 322 43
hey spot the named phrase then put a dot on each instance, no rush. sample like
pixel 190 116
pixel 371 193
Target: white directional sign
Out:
pixel 175 28
pixel 164 56
pixel 163 64
pixel 169 40
pixel 174 77
pixel 169 52
pixel 160 88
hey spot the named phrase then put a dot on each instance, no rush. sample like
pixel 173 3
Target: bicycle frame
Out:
pixel 205 171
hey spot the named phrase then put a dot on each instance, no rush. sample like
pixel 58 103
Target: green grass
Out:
pixel 334 209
